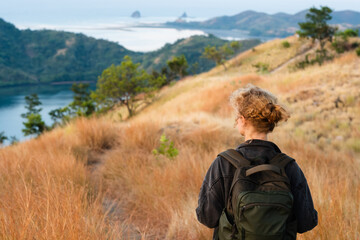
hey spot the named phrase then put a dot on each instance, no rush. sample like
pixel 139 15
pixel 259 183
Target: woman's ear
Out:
pixel 242 119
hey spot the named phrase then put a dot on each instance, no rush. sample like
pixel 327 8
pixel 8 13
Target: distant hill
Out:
pixel 32 57
pixel 263 24
pixel 45 56
pixel 192 49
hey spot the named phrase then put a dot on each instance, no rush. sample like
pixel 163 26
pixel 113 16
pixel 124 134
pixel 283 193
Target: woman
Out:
pixel 257 114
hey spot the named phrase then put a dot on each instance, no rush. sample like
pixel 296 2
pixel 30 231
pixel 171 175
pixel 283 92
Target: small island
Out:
pixel 184 15
pixel 136 14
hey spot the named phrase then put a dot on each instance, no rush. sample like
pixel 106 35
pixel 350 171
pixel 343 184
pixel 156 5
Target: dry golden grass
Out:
pixel 271 53
pixel 82 181
pixel 45 193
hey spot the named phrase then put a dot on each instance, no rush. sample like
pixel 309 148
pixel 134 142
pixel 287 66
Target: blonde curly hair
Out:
pixel 259 107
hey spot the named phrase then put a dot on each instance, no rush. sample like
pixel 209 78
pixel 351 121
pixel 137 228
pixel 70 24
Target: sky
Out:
pixel 55 10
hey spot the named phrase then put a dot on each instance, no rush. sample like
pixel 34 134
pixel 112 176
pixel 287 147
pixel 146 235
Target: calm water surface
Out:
pixel 12 105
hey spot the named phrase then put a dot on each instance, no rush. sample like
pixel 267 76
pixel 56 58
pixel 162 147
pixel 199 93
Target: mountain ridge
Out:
pixel 264 24
pixel 44 56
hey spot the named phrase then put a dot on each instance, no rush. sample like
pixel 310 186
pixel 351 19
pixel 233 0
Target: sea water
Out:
pixel 141 35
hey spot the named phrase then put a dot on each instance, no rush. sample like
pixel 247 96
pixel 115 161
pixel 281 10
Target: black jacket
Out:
pixel 215 188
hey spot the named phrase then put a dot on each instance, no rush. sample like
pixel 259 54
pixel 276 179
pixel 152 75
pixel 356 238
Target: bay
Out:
pixel 139 35
pixel 12 105
pixel 131 33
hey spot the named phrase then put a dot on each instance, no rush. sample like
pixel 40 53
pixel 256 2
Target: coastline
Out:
pixel 46 84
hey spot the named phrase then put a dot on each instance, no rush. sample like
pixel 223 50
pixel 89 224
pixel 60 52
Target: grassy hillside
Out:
pixel 98 179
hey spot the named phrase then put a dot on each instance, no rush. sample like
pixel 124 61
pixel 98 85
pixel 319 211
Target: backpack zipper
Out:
pixel 250 205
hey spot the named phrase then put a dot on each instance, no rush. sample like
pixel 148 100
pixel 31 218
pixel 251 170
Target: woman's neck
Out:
pixel 255 135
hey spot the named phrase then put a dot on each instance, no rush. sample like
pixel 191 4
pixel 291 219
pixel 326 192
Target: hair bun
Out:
pixel 275 113
pixel 270 106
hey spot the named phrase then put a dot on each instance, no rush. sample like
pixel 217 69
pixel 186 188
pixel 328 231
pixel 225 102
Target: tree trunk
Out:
pixel 130 110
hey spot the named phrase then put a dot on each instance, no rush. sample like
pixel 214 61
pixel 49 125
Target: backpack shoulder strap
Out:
pixel 281 160
pixel 235 158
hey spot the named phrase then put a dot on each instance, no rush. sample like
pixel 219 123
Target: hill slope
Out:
pixel 32 57
pixel 44 56
pixel 98 178
pixel 192 48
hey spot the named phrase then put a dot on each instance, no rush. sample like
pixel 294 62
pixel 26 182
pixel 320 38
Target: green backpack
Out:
pixel 260 201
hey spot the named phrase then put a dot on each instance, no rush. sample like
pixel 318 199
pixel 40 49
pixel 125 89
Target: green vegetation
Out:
pixel 285 44
pixel 320 58
pixel 34 124
pixel 192 48
pixel 46 56
pixel 317 28
pixel 341 43
pixel 2 138
pixel 13 140
pixel 166 148
pixel 358 51
pixel 220 54
pixel 178 66
pixel 82 105
pixel 60 116
pixel 261 67
pixel 121 85
pixel 33 57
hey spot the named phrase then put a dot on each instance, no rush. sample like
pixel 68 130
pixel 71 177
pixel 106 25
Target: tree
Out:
pixel 316 26
pixel 194 68
pixel 83 104
pixel 220 54
pixel 341 43
pixel 32 101
pixel 178 66
pixel 34 124
pixel 235 45
pixel 60 115
pixel 3 138
pixel 121 84
pixel 13 140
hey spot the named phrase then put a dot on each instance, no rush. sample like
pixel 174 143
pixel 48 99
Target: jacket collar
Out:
pixel 259 143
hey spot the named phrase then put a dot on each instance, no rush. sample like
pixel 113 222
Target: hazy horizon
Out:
pixel 50 11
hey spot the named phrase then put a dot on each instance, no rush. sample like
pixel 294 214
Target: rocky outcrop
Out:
pixel 136 14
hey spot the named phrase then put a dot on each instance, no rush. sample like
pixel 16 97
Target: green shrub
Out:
pixel 339 46
pixel 285 44
pixel 261 67
pixel 358 51
pixel 320 57
pixel 166 148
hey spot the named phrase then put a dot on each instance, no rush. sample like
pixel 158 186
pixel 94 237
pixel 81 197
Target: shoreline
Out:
pixel 47 83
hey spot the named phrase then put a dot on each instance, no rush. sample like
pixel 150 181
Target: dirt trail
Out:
pixel 301 55
pixel 114 209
